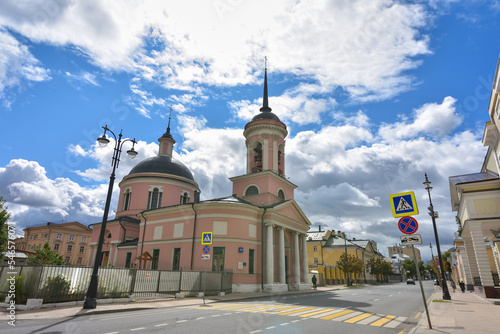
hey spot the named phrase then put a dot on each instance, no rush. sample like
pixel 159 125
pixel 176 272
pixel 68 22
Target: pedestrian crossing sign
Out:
pixel 206 238
pixel 403 204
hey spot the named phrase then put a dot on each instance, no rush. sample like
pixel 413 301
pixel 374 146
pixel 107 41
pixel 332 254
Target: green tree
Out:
pixel 379 268
pixel 45 255
pixel 350 264
pixel 4 234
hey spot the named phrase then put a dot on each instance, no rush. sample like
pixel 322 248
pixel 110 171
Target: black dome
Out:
pixel 266 115
pixel 162 164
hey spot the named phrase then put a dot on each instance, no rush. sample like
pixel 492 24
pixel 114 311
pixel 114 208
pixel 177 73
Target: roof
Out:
pixel 335 241
pixel 475 177
pixel 132 242
pixel 162 164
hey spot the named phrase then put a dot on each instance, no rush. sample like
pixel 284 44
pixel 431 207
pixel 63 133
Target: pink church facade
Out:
pixel 259 232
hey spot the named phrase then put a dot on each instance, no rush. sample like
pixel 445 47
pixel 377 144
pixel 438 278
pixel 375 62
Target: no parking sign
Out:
pixel 408 225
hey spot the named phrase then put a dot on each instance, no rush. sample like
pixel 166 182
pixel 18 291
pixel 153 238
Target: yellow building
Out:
pixel 324 249
pixel 71 240
pixel 476 199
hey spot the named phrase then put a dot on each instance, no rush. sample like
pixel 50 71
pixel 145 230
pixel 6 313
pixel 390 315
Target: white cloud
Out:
pixel 436 120
pixel 17 64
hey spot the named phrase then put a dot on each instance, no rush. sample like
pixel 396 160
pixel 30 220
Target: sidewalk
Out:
pixel 466 313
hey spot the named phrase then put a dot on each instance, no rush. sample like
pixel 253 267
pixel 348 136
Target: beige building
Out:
pixel 476 199
pixel 406 250
pixel 71 240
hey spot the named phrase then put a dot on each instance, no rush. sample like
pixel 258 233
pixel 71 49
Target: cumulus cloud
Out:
pixel 433 119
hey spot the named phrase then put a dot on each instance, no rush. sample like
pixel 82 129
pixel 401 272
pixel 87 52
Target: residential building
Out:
pixel 71 240
pixel 258 233
pixel 406 250
pixel 476 199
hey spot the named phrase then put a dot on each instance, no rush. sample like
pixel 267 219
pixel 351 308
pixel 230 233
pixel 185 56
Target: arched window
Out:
pixel 185 197
pixel 126 199
pixel 154 198
pixel 281 194
pixel 252 190
pixel 258 157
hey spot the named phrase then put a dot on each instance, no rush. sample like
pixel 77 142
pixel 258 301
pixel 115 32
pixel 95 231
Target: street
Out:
pixel 388 308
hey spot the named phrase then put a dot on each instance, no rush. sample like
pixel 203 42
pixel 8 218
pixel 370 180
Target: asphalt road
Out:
pixel 380 309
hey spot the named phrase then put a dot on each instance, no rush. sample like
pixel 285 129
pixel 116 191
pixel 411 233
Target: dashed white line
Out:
pixel 229 313
pixel 216 315
pixel 271 327
pixel 160 325
pixel 137 329
pixel 295 320
pixel 284 324
pixel 112 333
pixel 257 331
pixel 181 321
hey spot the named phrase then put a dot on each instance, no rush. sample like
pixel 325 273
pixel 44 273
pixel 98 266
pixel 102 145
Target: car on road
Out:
pixel 410 281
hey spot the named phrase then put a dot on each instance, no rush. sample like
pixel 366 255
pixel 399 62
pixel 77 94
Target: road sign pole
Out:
pixel 421 287
pixel 204 283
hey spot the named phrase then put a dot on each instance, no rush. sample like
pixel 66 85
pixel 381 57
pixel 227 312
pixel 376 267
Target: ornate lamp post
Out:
pixel 446 293
pixel 91 297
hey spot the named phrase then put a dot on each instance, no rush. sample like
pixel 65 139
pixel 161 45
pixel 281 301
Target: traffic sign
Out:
pixel 408 225
pixel 206 249
pixel 414 239
pixel 205 256
pixel 206 238
pixel 403 204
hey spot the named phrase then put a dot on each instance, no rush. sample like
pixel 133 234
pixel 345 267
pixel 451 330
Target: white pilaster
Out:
pixel 269 254
pixel 296 258
pixel 305 261
pixel 281 255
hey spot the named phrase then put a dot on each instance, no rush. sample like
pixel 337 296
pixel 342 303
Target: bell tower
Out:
pixel 264 182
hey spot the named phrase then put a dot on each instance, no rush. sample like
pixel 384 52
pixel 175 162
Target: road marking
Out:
pixel 369 320
pixel 267 307
pixel 338 314
pixel 216 315
pixel 199 318
pixel 417 315
pixel 285 323
pixel 317 312
pixel 382 321
pixel 376 299
pixel 327 313
pixel 358 318
pixel 160 325
pixel 348 316
pixel 137 329
pixel 112 333
pixel 257 331
pixel 271 327
pixel 181 321
pixel 395 323
pixel 296 311
pixel 295 321
pixel 282 309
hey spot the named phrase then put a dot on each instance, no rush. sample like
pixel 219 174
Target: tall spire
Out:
pixel 167 134
pixel 265 103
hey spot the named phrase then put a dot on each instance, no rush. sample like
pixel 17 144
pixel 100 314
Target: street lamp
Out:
pixel 91 297
pixel 446 293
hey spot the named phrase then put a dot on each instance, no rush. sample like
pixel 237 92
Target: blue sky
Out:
pixel 374 94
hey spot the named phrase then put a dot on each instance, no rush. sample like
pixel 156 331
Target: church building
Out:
pixel 259 233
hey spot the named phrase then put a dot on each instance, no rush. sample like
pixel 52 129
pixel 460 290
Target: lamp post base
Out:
pixel 90 303
pixel 446 296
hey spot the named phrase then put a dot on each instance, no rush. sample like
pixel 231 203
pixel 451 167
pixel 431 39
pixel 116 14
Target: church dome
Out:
pixel 162 164
pixel 266 115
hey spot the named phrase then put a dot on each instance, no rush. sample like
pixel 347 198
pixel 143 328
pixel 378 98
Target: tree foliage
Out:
pixel 409 267
pixel 379 268
pixel 46 256
pixel 4 217
pixel 350 264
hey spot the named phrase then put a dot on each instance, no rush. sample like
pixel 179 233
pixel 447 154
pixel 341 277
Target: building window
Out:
pixel 252 190
pixel 79 261
pixel 251 261
pixel 315 260
pixel 126 199
pixel 218 260
pixel 66 259
pixel 281 194
pixel 177 259
pixel 156 257
pixel 128 259
pixel 82 248
pixel 70 248
pixel 58 236
pixel 84 239
pixel 185 197
pixel 71 237
pixel 56 247
pixel 258 158
pixel 315 248
pixel 154 198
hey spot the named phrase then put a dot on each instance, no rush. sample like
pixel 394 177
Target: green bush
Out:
pixel 56 289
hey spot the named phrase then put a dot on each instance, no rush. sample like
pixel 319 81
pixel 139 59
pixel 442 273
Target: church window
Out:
pixel 258 157
pixel 185 197
pixel 154 198
pixel 279 158
pixel 177 259
pixel 156 258
pixel 252 190
pixel 218 260
pixel 281 194
pixel 126 199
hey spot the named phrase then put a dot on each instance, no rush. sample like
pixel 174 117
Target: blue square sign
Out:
pixel 403 204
